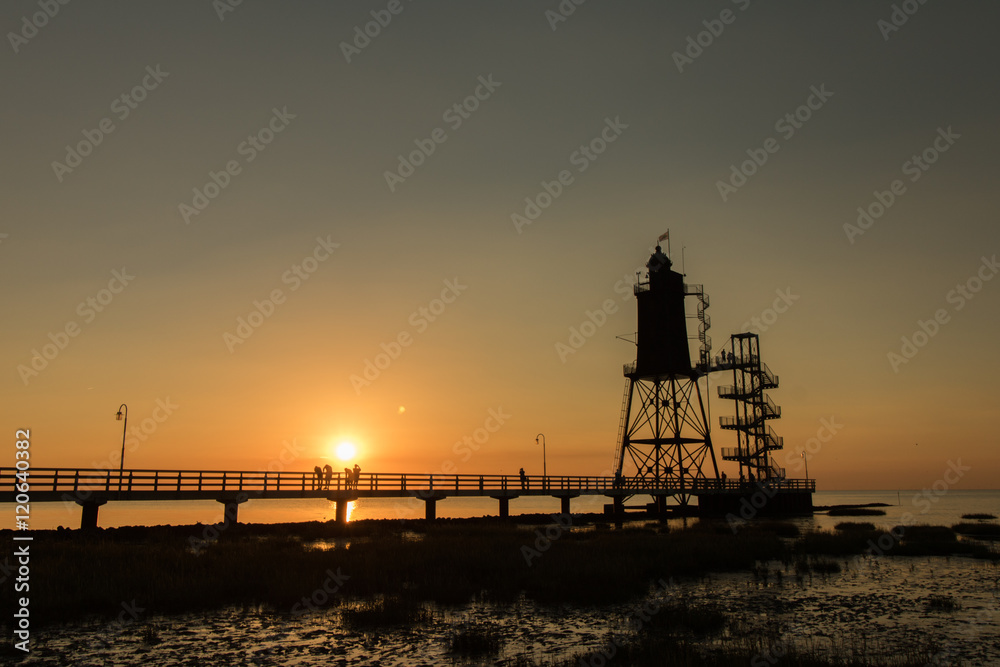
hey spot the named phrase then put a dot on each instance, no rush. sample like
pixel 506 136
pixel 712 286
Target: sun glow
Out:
pixel 346 451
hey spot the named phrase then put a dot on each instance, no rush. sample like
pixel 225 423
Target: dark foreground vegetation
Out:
pixel 381 573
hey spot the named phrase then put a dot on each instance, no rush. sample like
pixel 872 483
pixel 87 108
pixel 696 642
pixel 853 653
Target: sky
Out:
pixel 269 228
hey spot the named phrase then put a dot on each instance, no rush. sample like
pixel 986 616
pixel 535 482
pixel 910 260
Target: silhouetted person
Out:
pixel 347 478
pixel 329 474
pixel 524 479
pixel 723 479
pixel 317 478
pixel 357 475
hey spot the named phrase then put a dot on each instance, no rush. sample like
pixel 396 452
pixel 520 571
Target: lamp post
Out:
pixel 805 460
pixel 122 416
pixel 544 471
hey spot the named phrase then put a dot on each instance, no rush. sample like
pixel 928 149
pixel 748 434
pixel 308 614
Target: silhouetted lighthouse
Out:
pixel 662 336
pixel 663 435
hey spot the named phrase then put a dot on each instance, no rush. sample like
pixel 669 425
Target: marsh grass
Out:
pixel 384 612
pixel 926 534
pixel 819 565
pixel 941 603
pixel 986 531
pixel 149 634
pixel 680 618
pixel 855 525
pixel 661 645
pixel 453 562
pixel 475 639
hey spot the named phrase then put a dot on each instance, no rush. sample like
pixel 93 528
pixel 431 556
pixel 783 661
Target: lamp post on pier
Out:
pixel 545 473
pixel 122 416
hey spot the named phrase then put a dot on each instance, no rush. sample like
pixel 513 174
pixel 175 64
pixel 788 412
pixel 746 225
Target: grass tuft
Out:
pixel 384 612
pixel 476 639
pixel 854 525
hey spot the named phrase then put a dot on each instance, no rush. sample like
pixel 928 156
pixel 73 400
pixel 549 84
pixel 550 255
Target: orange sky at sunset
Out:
pixel 343 264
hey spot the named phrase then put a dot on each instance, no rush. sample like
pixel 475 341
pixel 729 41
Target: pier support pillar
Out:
pixel 340 509
pixel 504 508
pixel 564 504
pixel 430 508
pixel 231 506
pixel 90 507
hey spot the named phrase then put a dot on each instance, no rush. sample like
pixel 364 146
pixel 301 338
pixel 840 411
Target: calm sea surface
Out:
pixel 946 509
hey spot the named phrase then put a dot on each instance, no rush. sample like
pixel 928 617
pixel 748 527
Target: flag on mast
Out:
pixel 664 235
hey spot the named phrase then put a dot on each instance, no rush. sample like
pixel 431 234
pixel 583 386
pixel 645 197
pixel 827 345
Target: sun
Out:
pixel 346 451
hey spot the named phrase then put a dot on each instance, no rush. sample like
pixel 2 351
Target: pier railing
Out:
pixel 97 480
pixel 100 480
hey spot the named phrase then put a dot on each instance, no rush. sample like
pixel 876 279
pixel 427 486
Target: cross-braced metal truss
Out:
pixel 666 444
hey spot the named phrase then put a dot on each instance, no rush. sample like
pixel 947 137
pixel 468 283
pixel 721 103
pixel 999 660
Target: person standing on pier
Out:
pixel 524 479
pixel 329 475
pixel 357 476
pixel 317 478
pixel 348 477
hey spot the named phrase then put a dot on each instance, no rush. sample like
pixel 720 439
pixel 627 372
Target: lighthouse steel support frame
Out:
pixel 667 442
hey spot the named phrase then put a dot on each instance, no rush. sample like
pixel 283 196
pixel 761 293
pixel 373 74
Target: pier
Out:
pixel 90 488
